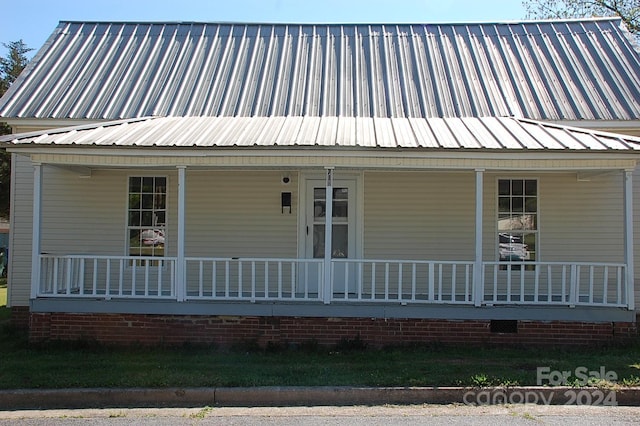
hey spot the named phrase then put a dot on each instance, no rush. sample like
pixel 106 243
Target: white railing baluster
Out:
pixel 432 285
pixel 121 276
pixel 440 282
pixel 280 280
pixel 360 280
pixel 253 281
pixel 454 272
pixel 95 277
pixel 373 280
pixel 591 271
pixel 266 279
pixel 400 265
pixel 227 279
pixel 413 282
pixel 200 278
pixel 146 277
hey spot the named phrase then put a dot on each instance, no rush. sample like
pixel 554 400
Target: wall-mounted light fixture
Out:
pixel 285 204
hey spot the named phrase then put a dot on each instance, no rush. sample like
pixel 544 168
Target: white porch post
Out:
pixel 328 229
pixel 35 236
pixel 181 270
pixel 628 237
pixel 478 278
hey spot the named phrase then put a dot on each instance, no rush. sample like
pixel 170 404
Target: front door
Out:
pixel 343 228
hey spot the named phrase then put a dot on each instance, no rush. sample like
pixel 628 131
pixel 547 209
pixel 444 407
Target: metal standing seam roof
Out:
pixel 488 133
pixel 545 70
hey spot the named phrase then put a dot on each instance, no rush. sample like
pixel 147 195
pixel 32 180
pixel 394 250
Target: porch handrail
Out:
pixel 555 283
pixel 404 281
pixel 254 278
pixel 353 280
pixel 107 276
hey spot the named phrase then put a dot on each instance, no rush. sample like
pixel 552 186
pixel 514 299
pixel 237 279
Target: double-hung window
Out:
pixel 518 221
pixel 147 213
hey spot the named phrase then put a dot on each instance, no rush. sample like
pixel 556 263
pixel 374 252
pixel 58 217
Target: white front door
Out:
pixel 344 227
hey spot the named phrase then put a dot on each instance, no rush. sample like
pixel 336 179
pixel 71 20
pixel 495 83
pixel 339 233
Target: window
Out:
pixel 147 212
pixel 517 220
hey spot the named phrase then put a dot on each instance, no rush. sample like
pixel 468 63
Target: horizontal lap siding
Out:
pixel 20 242
pixel 239 214
pixel 419 215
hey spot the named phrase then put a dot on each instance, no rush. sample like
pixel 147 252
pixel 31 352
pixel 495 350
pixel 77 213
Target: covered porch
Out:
pixel 429 214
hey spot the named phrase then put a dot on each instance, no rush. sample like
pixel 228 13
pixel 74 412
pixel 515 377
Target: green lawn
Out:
pixel 83 364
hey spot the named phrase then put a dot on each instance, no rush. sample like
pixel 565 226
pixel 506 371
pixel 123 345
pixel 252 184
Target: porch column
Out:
pixel 478 278
pixel 628 237
pixel 328 235
pixel 35 235
pixel 181 270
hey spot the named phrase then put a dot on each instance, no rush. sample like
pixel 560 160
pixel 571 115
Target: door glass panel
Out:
pixel 339 241
pixel 340 231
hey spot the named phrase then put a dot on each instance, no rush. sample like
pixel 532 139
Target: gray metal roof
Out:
pixel 490 133
pixel 548 70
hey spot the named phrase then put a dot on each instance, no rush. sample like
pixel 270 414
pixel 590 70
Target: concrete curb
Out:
pixel 310 396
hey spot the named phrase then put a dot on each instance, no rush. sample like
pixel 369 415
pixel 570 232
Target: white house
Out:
pixel 276 182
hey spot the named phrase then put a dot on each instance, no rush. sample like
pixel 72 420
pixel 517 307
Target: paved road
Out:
pixel 312 416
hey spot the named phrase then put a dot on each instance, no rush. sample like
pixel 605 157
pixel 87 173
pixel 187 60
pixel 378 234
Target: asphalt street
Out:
pixel 494 415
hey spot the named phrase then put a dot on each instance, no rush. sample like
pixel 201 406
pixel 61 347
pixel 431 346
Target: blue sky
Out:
pixel 34 20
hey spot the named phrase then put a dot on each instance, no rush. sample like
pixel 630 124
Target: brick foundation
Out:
pixel 125 329
pixel 20 317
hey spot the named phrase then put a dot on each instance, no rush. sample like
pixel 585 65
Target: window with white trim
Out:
pixel 518 221
pixel 147 212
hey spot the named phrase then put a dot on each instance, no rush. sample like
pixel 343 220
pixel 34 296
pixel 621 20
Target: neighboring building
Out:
pixel 281 183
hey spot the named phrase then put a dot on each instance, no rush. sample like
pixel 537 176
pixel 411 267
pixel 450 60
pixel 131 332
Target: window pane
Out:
pixel 134 218
pixel 160 219
pixel 531 205
pixel 340 193
pixel 147 201
pixel 531 187
pixel 147 218
pixel 340 209
pixel 319 209
pixel 504 187
pixel 159 201
pixel 517 204
pixel 319 193
pixel 504 204
pixel 135 184
pixel 134 201
pixel 517 187
pixel 340 241
pixel 147 184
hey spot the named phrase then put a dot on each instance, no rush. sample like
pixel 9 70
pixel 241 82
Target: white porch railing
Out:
pixel 553 283
pixel 402 281
pixel 107 276
pixel 254 279
pixel 352 280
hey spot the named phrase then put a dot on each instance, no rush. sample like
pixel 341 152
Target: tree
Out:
pixel 628 10
pixel 10 67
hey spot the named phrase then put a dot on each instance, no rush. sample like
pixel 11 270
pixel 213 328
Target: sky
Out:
pixel 34 20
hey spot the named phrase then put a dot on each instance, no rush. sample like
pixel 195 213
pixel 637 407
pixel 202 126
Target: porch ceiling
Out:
pixel 494 134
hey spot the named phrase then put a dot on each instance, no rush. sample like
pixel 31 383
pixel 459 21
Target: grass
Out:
pixel 87 364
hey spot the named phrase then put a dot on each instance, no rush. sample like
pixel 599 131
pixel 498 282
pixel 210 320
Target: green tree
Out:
pixel 10 67
pixel 628 10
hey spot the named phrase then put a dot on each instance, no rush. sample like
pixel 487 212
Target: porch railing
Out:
pixel 254 279
pixel 352 280
pixel 107 276
pixel 402 281
pixel 553 283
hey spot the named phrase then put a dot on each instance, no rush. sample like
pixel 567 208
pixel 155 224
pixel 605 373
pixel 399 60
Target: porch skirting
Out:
pixel 226 331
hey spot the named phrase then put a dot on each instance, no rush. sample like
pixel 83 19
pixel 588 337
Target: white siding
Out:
pixel 419 215
pixel 20 241
pixel 238 214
